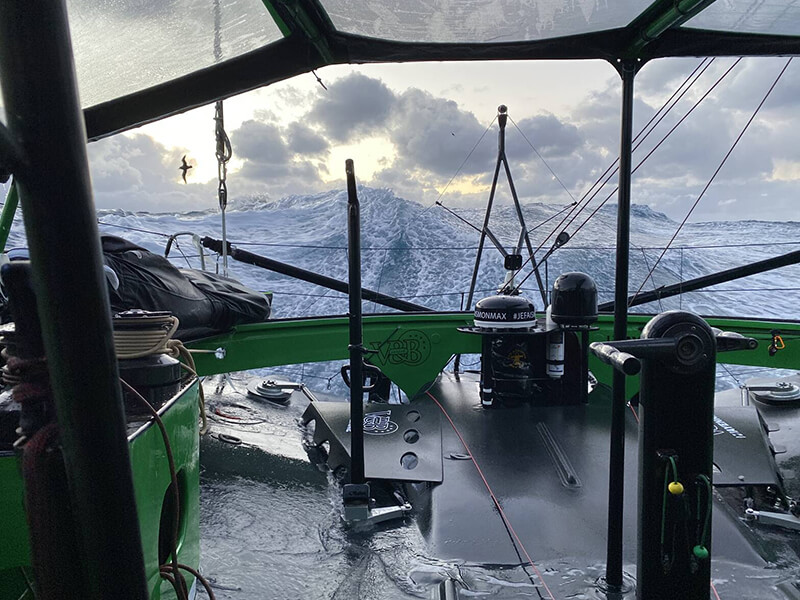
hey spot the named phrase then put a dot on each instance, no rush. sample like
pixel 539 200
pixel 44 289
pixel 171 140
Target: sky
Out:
pixel 415 128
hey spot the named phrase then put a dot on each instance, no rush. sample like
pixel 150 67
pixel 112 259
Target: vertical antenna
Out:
pixel 511 264
pixel 356 341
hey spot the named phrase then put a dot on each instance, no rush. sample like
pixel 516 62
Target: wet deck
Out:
pixel 546 465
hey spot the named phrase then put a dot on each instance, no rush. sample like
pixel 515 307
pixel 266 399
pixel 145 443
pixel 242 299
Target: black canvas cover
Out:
pixel 204 303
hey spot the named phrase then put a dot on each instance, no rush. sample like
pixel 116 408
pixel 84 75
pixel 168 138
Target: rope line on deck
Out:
pixel 494 497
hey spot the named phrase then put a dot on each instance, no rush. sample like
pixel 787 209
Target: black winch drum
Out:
pixel 156 377
pixel 506 324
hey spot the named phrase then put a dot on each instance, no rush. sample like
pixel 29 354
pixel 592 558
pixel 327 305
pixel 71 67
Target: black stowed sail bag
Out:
pixel 204 303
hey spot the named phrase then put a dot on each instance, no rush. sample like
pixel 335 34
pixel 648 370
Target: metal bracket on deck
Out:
pixel 388 513
pixel 772 518
pixel 357 499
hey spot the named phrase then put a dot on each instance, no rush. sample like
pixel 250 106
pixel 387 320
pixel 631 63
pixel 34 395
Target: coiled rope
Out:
pixel 157 339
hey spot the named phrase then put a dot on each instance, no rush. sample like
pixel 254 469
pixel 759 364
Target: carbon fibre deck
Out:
pixel 552 516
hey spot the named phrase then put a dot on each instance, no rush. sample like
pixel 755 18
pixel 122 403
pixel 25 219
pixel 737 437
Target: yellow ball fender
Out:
pixel 675 488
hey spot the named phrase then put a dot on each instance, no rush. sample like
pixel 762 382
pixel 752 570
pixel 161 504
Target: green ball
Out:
pixel 701 552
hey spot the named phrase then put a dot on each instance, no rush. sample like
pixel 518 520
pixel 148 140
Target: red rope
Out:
pixel 713 589
pixel 494 498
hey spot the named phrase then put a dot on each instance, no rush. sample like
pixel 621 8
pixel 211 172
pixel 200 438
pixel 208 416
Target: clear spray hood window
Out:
pixel 122 46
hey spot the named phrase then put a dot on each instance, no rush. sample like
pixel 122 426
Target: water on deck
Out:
pixel 272 528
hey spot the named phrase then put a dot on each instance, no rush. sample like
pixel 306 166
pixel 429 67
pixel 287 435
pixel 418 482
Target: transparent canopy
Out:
pixel 777 17
pixel 163 51
pixel 123 46
pixel 478 20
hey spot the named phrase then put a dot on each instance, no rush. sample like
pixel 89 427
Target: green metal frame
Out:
pixel 151 481
pixel 658 18
pixel 308 19
pixel 7 216
pixel 412 348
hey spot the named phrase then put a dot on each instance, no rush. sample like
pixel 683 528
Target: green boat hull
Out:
pixel 151 482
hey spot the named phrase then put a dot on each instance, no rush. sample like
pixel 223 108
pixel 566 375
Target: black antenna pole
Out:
pixel 523 234
pixel 356 342
pixel 616 470
pixel 502 119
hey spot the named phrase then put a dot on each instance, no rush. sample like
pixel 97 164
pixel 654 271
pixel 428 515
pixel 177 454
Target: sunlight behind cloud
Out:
pixel 369 156
pixel 785 170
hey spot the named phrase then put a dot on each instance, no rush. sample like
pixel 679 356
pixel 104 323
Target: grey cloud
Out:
pixel 548 134
pixel 698 146
pixel 304 140
pixel 277 180
pixel 432 136
pixel 662 76
pixel 674 175
pixel 413 186
pixel 260 143
pixel 752 78
pixel 353 107
pixel 273 166
pixel 435 134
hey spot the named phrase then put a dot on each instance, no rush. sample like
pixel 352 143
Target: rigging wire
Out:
pixel 406 248
pixel 609 173
pixel 179 249
pixel 663 139
pixel 644 133
pixel 129 228
pixel 380 278
pixel 714 175
pixel 647 265
pixel 553 173
pixel 461 166
pixel 601 291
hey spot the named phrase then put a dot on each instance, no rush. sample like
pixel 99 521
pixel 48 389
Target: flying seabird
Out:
pixel 184 167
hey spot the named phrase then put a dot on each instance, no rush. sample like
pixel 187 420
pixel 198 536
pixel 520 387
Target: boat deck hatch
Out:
pixel 742 453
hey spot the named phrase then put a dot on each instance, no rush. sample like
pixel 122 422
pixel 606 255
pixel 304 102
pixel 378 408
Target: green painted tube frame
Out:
pixel 7 216
pixel 413 348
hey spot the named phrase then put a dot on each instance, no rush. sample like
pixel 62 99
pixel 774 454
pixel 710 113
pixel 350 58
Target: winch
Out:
pixel 140 340
pixel 507 325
